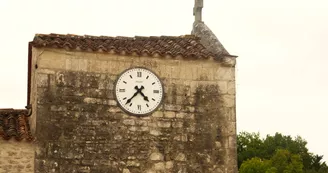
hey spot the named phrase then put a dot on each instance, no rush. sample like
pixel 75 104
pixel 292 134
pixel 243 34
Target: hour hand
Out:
pixel 143 95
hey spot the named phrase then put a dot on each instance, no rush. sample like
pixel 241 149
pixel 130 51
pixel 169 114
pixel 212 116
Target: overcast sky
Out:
pixel 282 83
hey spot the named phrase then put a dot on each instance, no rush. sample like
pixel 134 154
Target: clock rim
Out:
pixel 131 113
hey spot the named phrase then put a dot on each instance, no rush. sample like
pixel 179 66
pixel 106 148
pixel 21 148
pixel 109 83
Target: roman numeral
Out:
pixel 139 107
pixel 156 91
pixel 139 74
pixel 122 90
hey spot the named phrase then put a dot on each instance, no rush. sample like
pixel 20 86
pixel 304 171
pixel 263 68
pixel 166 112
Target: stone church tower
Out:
pixel 126 105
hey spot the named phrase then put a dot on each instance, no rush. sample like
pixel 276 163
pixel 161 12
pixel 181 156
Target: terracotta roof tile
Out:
pixel 188 46
pixel 14 123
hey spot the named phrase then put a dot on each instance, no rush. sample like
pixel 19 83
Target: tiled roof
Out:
pixel 187 46
pixel 14 124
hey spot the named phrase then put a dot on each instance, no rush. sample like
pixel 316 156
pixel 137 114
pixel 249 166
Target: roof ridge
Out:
pixel 187 46
pixel 102 36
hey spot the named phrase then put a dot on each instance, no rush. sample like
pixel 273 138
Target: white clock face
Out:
pixel 138 91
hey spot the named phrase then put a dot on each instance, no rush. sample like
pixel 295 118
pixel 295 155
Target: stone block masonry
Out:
pixel 16 156
pixel 80 128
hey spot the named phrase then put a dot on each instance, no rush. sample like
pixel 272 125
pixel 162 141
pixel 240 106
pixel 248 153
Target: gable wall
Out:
pixel 79 126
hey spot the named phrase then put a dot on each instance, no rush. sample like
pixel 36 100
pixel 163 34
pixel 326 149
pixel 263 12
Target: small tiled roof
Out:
pixel 187 46
pixel 14 124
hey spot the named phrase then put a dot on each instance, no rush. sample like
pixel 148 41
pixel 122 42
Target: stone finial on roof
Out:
pixel 207 37
pixel 198 10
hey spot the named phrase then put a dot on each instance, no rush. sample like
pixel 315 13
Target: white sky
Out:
pixel 281 76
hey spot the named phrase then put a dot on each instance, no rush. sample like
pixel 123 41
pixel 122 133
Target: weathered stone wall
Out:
pixel 80 128
pixel 16 157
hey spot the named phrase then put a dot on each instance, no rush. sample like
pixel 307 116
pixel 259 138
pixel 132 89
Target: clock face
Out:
pixel 138 91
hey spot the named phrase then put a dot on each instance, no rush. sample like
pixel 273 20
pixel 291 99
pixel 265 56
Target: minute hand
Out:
pixel 129 100
pixel 138 90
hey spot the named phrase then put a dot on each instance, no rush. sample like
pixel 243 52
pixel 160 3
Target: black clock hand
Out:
pixel 136 93
pixel 129 100
pixel 143 95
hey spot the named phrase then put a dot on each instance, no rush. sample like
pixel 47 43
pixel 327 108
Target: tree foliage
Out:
pixel 276 154
pixel 255 165
pixel 286 162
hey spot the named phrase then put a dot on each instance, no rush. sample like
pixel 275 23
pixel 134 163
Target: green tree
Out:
pixel 280 160
pixel 290 151
pixel 256 165
pixel 285 162
pixel 249 145
pixel 272 170
pixel 294 146
pixel 317 166
pixel 295 165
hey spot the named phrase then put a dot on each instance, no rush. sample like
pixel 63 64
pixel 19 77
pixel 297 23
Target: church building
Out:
pixel 101 104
